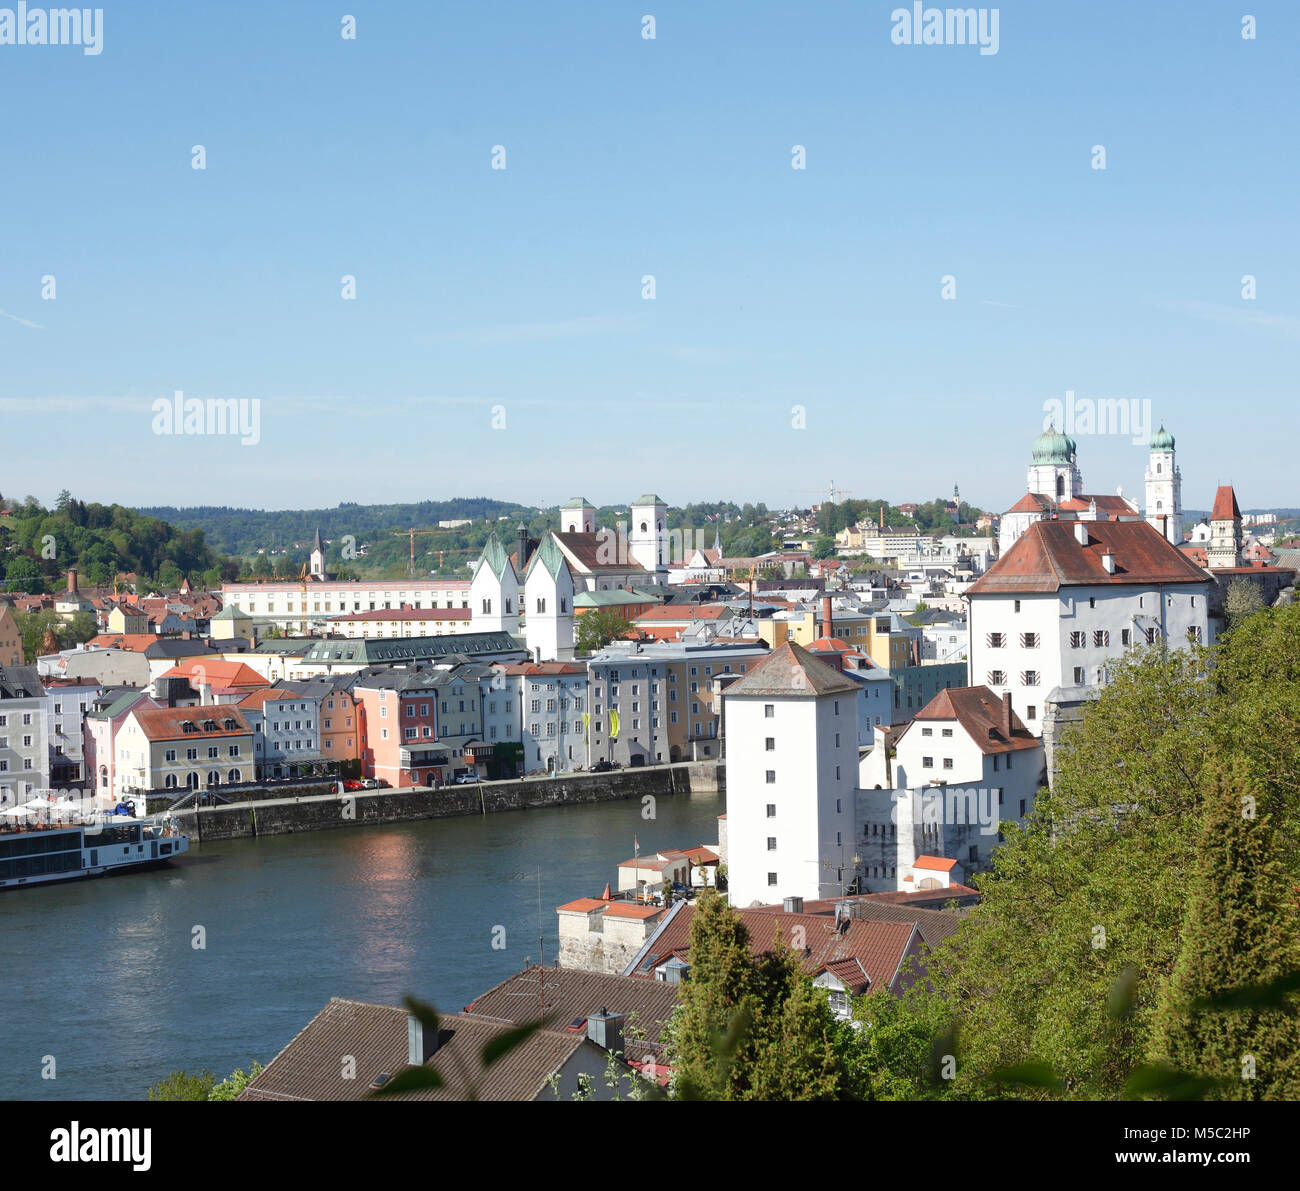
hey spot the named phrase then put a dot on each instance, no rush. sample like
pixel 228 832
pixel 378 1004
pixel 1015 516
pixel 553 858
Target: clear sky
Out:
pixel 521 288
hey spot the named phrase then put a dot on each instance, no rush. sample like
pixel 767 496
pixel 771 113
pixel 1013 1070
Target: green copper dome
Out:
pixel 1053 447
pixel 1162 440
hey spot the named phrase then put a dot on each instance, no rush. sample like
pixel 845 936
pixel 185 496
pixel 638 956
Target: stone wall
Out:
pixel 283 816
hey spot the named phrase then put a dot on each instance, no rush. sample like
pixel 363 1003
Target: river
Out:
pixel 105 977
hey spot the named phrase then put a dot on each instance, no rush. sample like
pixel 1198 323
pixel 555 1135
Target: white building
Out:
pixel 24 756
pixel 791 777
pixel 965 765
pixel 286 730
pixel 1068 599
pixel 315 603
pixel 494 591
pixel 1164 488
pixel 552 702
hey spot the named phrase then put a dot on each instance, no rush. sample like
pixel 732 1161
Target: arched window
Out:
pixel 103 775
pixel 170 783
pixel 644 527
pixel 1060 487
pixel 214 778
pixel 233 776
pixel 192 780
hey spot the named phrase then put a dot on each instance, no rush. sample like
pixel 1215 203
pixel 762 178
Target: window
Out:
pixel 1029 678
pixel 997 677
pixel 947 762
pixel 1078 676
pixel 1028 640
pixel 947 732
pixel 927 762
pixel 1101 637
pixel 769 710
pixel 771 810
pixel 1153 635
pixel 1017 607
pixel 1031 713
pixel 1125 637
pixel 771 843
pixel 770 744
pixel 771 774
pixel 1078 640
pixel 1194 633
pixel 771 878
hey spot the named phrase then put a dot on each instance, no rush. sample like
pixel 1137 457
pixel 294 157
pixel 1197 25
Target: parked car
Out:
pixel 370 783
pixel 602 767
pixel 466 779
pixel 353 783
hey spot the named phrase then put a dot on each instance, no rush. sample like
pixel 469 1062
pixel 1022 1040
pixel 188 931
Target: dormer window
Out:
pixel 209 725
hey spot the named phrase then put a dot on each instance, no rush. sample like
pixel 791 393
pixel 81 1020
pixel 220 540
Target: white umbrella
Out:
pixel 15 811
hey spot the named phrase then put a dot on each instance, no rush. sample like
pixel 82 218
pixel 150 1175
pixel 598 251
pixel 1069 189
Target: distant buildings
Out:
pixel 24 748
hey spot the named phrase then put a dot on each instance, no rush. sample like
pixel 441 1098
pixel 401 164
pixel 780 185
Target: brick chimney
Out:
pixel 72 580
pixel 1006 715
pixel 828 621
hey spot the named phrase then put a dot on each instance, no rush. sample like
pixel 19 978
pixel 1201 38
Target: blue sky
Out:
pixel 521 288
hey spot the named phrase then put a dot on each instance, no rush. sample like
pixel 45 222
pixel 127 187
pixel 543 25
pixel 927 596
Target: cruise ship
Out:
pixel 38 855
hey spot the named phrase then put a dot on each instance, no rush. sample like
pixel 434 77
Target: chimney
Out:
pixel 72 580
pixel 421 1042
pixel 1006 715
pixel 1081 533
pixel 793 905
pixel 605 1029
pixel 1108 563
pixel 828 620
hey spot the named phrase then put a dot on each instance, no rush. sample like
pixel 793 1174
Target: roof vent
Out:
pixel 1081 533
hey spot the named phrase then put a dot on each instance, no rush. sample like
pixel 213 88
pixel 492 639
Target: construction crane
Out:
pixel 834 492
pixel 411 534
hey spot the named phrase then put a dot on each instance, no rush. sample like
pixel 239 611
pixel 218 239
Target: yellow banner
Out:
pixel 613 722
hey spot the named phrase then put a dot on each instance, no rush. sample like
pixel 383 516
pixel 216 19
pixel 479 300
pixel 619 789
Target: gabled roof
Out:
pixel 791 670
pixel 548 554
pixel 217 672
pixel 980 713
pixel 587 553
pixel 308 1068
pixel 1225 505
pixel 166 723
pixel 937 864
pixel 1048 557
pixel 494 556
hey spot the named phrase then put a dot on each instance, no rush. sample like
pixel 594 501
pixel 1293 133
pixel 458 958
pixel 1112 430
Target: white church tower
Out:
pixel 1054 470
pixel 548 604
pixel 1164 488
pixel 792 769
pixel 577 516
pixel 318 557
pixel 648 538
pixel 494 591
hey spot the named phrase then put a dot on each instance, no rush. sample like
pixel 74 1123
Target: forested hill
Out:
pixel 246 531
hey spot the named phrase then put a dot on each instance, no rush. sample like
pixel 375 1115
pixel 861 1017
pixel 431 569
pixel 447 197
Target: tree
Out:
pixel 1240 601
pixel 1239 929
pixel 746 1027
pixel 180 1085
pixel 823 546
pixel 230 1087
pixel 598 628
pixel 887 1049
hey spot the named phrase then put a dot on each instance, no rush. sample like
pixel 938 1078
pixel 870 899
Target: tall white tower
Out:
pixel 1164 488
pixel 792 769
pixel 494 591
pixel 1054 470
pixel 648 538
pixel 548 604
pixel 577 516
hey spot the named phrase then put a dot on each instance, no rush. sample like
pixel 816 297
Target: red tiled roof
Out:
pixel 1048 557
pixel 584 905
pixel 1031 502
pixel 164 723
pixel 135 642
pixel 632 910
pixel 544 668
pixel 980 713
pixel 938 864
pixel 587 551
pixel 850 973
pixel 1105 504
pixel 1225 505
pixel 879 946
pixel 685 612
pixel 217 672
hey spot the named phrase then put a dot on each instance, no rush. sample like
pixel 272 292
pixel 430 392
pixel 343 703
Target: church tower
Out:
pixel 548 604
pixel 1054 470
pixel 1224 548
pixel 494 591
pixel 1164 488
pixel 318 557
pixel 648 539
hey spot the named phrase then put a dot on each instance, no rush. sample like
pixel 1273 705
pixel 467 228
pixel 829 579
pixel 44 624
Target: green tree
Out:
pixel 887 1049
pixel 823 546
pixel 746 1027
pixel 1240 601
pixel 1239 930
pixel 598 628
pixel 230 1087
pixel 180 1085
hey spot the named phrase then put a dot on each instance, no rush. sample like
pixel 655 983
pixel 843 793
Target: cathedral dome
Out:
pixel 1053 447
pixel 1162 440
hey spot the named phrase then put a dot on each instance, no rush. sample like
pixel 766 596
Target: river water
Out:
pixel 104 976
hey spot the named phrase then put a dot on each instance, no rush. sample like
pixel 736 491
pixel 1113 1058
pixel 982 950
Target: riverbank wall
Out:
pixel 284 816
